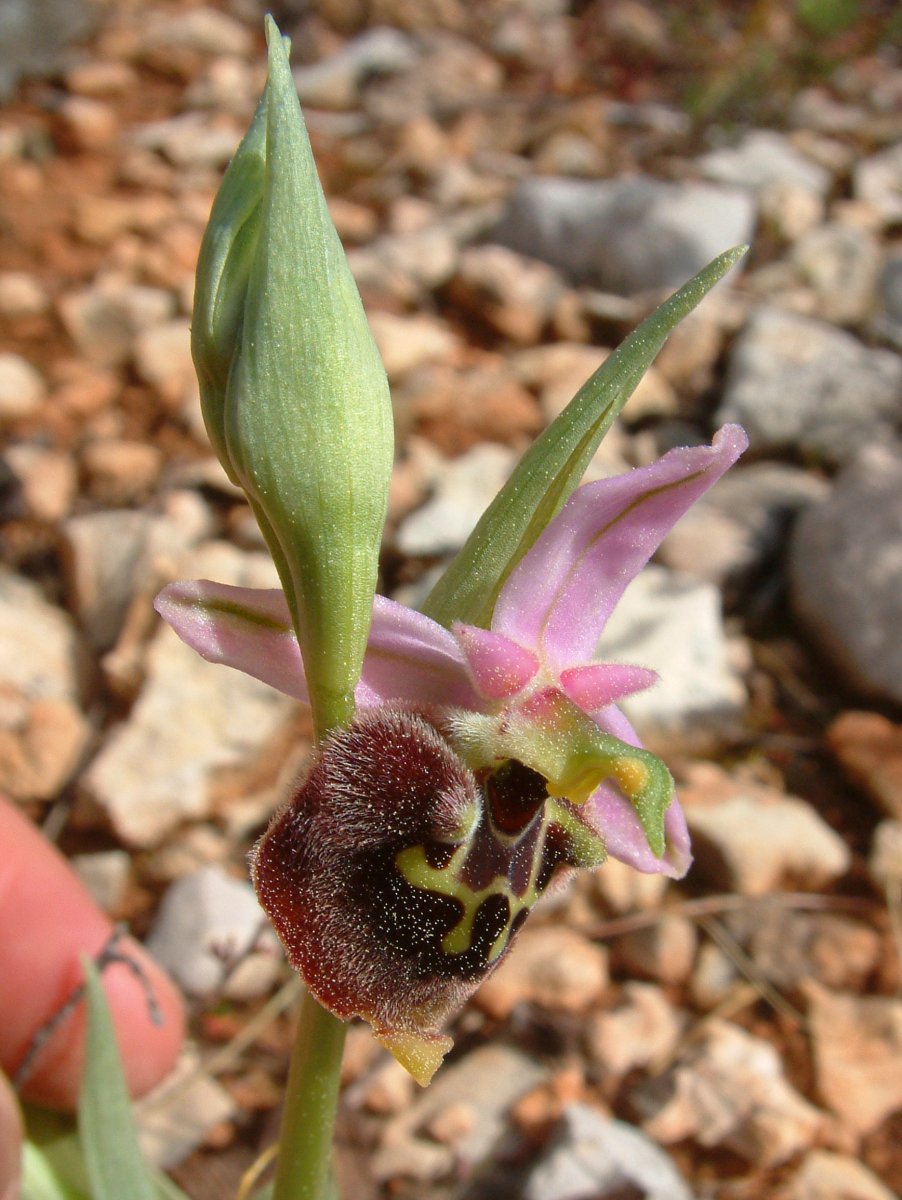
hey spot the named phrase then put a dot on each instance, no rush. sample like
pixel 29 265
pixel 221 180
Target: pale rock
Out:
pixel 102 219
pixel 406 343
pixel 41 654
pixel 106 875
pixel 385 1090
pixel 458 409
pixel 790 210
pixel 857 1054
pixel 48 479
pixel 841 265
pixel 163 359
pixel 789 947
pixel 513 294
pixel 121 471
pixel 174 1119
pixel 22 295
pixel 453 1124
pixel 868 746
pixel 823 1175
pixel 623 889
pixel 762 158
pixel 550 966
pixel 196 846
pixel 405 266
pixel 108 557
pixel 845 572
pixel 212 936
pixel 877 179
pixel 688 357
pixel 191 140
pixel 104 318
pixel 885 861
pixel 191 721
pixel 675 623
pixel 203 30
pixel 559 370
pixel 35 34
pixel 741 526
pixel 664 951
pixel 229 84
pixel 42 743
pixel 462 492
pixel 100 78
pixel 43 732
pixel 489 1080
pixel 751 838
pixel 336 81
pixel 22 387
pixel 789 381
pixel 643 1031
pixel 91 124
pixel 714 978
pixel 624 236
pixel 593 1155
pixel 451 74
pixel 728 1090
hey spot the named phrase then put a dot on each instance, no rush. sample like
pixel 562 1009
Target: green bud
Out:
pixel 223 271
pixel 295 395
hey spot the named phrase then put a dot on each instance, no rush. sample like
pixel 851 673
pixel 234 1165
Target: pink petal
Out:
pixel 615 819
pixel 562 592
pixel 246 628
pixel 500 668
pixel 600 684
pixel 409 657
pixel 412 658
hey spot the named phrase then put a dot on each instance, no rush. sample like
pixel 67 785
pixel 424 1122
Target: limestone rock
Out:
pixel 593 1155
pixel 212 936
pixel 869 749
pixel 551 966
pixel 624 236
pixel 728 1089
pixel 752 838
pixel 858 1054
pixel 846 573
pixel 790 380
pixel 674 623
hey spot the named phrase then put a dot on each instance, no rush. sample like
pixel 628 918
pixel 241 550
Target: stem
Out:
pixel 304 1164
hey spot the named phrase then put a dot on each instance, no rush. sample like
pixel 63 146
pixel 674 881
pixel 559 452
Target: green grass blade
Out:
pixel 109 1139
pixel 552 467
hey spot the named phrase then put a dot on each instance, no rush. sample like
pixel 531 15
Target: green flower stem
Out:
pixel 304 1165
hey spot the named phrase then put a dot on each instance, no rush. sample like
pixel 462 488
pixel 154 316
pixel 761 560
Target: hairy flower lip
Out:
pixel 549 616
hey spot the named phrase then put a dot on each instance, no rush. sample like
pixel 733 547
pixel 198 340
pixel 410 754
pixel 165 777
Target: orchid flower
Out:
pixel 483 762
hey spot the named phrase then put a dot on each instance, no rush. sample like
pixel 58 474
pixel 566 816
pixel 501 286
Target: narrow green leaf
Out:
pixel 552 467
pixel 109 1139
pixel 40 1178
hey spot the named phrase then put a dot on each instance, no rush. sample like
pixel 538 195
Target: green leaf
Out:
pixel 552 467
pixel 44 1178
pixel 109 1140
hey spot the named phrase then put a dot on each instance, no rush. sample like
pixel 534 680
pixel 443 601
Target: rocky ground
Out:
pixel 517 184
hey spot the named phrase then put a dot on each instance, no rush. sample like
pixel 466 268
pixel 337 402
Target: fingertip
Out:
pixel 48 921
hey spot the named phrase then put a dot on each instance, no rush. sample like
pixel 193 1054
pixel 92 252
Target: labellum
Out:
pixel 397 877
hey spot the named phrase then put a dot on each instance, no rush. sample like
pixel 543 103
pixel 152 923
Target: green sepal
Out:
pixel 552 467
pixel 308 423
pixel 552 736
pixel 223 272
